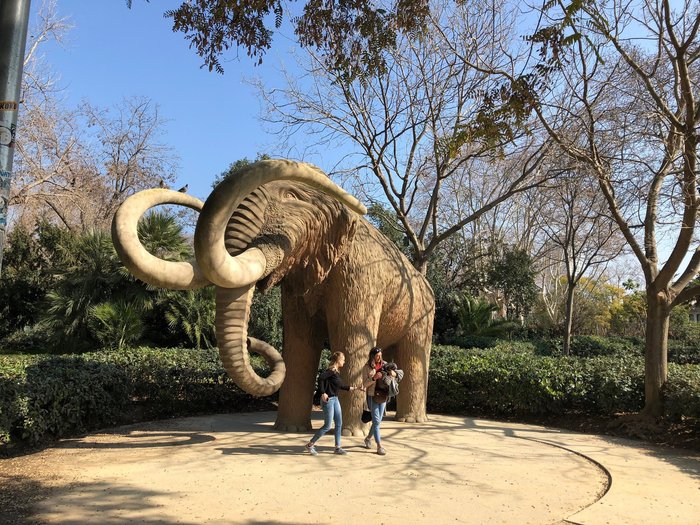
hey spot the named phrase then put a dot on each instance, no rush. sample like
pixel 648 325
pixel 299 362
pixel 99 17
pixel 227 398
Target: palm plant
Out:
pixel 90 276
pixel 162 236
pixel 476 317
pixel 117 324
pixel 192 313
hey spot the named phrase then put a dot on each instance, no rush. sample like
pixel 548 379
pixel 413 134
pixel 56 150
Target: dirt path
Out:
pixel 236 469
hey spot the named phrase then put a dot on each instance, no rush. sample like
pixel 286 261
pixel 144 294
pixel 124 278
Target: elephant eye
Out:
pixel 289 194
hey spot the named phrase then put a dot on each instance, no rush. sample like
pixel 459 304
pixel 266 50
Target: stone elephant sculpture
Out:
pixel 343 282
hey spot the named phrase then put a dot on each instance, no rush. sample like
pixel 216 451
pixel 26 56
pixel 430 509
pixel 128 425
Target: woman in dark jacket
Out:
pixel 329 384
pixel 372 374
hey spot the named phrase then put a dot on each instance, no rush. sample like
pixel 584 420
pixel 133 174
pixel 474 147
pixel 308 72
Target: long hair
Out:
pixel 335 359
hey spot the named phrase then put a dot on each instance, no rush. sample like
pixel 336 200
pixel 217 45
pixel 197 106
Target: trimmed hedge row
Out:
pixel 681 352
pixel 45 397
pixel 501 381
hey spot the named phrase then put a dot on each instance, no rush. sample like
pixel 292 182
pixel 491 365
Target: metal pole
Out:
pixel 14 19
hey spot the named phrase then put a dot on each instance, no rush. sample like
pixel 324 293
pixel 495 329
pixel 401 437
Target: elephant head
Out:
pixel 272 219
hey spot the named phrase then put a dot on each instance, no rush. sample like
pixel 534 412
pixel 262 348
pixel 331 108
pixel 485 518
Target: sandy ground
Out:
pixel 235 468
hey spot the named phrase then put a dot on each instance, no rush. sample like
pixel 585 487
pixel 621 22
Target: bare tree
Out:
pixel 77 166
pixel 412 127
pixel 617 88
pixel 574 221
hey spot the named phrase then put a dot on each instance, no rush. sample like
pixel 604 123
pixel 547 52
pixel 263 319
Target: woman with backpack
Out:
pixel 376 375
pixel 329 385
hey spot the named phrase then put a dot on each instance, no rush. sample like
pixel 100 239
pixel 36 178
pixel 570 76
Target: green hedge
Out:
pixel 500 381
pixel 44 397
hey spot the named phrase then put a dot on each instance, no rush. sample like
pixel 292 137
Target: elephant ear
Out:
pixel 334 244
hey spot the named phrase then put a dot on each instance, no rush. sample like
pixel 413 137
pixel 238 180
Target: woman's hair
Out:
pixel 335 357
pixel 374 351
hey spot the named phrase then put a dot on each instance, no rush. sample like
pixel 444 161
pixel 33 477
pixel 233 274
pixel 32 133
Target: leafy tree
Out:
pixel 28 275
pixel 236 166
pixel 162 235
pixel 633 119
pixel 351 34
pixel 628 315
pixel 387 223
pixel 513 276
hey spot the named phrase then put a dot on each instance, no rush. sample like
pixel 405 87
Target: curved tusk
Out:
pixel 148 268
pixel 213 258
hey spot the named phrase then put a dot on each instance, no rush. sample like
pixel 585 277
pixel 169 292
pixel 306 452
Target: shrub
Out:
pixel 684 352
pixel 682 391
pixel 502 381
pixel 590 346
pixel 44 397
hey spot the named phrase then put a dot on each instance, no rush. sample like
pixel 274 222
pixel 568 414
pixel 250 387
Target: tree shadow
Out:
pixel 23 502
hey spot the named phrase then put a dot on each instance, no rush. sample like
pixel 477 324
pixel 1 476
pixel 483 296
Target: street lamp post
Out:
pixel 14 19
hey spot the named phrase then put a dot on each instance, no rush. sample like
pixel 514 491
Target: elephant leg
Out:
pixel 303 342
pixel 353 334
pixel 412 354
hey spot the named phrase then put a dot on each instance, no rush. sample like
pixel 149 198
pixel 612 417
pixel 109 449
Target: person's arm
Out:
pixel 323 386
pixel 341 386
pixel 368 379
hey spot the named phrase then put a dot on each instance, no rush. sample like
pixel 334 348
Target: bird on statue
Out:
pixel 161 183
pixel 184 188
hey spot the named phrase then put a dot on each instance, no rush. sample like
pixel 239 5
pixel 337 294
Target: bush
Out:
pixel 502 381
pixel 45 397
pixel 684 352
pixel 590 346
pixel 682 391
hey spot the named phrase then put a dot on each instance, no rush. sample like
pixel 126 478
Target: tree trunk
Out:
pixel 656 353
pixel 568 318
pixel 420 263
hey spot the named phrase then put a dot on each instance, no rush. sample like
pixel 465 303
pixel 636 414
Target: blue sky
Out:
pixel 113 52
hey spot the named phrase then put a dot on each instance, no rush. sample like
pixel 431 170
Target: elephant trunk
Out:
pixel 232 311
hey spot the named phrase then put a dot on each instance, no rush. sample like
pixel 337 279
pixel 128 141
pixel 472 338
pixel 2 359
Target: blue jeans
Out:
pixel 377 410
pixel 331 413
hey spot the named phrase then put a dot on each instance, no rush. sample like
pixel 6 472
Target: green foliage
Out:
pixel 351 35
pixel 265 321
pixel 45 397
pixel 28 274
pixel 684 351
pixel 476 317
pixel 93 274
pixel 117 324
pixel 501 381
pixel 163 237
pixel 191 314
pixel 682 391
pixel 592 346
pixel 628 317
pixel 513 274
pixel 387 223
pixel 235 167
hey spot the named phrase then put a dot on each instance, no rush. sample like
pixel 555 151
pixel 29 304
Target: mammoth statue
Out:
pixel 343 282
